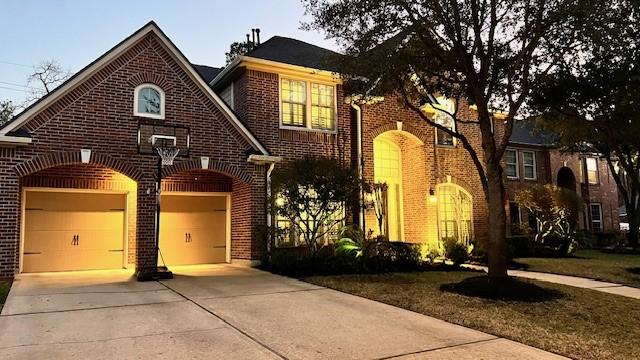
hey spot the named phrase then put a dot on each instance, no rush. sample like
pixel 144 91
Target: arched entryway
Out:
pixel 77 217
pixel 566 179
pixel 399 162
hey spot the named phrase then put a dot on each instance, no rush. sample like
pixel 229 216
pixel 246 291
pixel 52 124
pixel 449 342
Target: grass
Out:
pixel 4 291
pixel 593 264
pixel 578 323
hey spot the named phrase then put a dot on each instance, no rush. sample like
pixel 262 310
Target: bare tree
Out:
pixel 45 78
pixel 488 52
pixel 6 111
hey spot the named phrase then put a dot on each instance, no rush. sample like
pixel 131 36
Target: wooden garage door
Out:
pixel 73 231
pixel 193 229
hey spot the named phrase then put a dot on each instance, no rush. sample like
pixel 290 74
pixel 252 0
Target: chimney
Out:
pixel 248 42
pixel 258 35
pixel 253 38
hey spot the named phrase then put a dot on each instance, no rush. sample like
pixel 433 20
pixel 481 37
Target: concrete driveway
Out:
pixel 223 312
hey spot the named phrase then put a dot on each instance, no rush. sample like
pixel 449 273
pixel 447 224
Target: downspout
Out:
pixel 268 181
pixel 359 159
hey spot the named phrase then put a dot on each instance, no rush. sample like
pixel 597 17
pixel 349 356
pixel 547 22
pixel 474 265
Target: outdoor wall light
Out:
pixel 432 196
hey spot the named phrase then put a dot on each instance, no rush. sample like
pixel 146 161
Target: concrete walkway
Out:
pixel 223 312
pixel 574 281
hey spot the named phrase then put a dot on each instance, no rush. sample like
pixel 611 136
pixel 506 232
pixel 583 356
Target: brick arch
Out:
pixel 195 164
pixel 442 179
pixel 392 126
pixel 54 159
pixel 148 77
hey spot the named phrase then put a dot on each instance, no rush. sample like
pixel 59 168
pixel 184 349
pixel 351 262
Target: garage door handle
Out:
pixel 76 240
pixel 187 238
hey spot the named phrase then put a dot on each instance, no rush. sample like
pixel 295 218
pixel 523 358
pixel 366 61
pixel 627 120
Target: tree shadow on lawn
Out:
pixel 634 270
pixel 510 289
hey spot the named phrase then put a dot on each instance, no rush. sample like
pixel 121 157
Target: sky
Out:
pixel 75 32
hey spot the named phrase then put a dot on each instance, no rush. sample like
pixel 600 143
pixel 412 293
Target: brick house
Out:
pixel 78 171
pixel 531 159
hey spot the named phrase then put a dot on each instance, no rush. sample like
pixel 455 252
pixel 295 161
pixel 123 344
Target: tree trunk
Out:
pixel 634 222
pixel 497 224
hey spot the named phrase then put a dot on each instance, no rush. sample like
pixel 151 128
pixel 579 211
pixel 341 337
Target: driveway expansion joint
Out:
pixel 260 294
pixel 91 308
pixel 255 340
pixel 439 348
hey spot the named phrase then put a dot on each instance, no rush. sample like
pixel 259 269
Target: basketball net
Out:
pixel 167 154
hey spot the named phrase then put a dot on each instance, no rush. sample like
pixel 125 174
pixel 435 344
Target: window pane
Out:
pixel 512 163
pixel 442 137
pixel 455 214
pixel 592 170
pixel 149 101
pixel 529 164
pixel 596 217
pixel 293 95
pixel 322 107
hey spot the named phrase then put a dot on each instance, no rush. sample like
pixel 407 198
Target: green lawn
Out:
pixel 618 268
pixel 581 323
pixel 4 291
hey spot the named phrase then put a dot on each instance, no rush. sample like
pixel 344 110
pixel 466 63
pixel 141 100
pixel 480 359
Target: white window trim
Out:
pixel 136 92
pixel 439 204
pixel 517 165
pixel 307 105
pixel 599 206
pixel 535 171
pixel 454 127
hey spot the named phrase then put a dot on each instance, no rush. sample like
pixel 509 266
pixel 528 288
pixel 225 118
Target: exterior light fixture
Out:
pixel 432 196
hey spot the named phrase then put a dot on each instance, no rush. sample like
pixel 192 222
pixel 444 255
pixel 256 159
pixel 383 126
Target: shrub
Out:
pixel 387 256
pixel 519 246
pixel 456 251
pixel 430 251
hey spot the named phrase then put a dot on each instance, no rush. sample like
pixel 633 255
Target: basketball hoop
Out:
pixel 167 154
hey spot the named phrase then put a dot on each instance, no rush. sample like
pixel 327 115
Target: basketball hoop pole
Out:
pixel 160 272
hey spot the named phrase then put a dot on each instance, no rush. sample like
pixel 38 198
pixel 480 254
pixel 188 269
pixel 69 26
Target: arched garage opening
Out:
pixel 201 211
pixel 77 217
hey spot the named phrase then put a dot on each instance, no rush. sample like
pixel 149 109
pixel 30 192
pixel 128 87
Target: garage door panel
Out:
pixel 73 231
pixel 201 220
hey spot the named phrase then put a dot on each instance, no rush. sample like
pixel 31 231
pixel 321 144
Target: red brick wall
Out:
pixel 549 163
pixel 437 164
pixel 98 115
pixel 256 102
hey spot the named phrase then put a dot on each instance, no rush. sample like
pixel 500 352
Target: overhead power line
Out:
pixel 16 64
pixel 8 88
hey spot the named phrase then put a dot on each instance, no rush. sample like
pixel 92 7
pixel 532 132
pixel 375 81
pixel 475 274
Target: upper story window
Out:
pixel 592 171
pixel 444 119
pixel 149 101
pixel 511 159
pixel 529 164
pixel 297 111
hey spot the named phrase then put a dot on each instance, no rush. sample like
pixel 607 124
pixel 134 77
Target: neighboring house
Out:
pixel 78 173
pixel 532 159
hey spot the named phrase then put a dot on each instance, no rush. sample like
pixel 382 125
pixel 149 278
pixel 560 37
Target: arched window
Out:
pixel 149 101
pixel 455 213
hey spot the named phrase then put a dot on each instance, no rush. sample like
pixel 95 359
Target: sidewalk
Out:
pixel 574 281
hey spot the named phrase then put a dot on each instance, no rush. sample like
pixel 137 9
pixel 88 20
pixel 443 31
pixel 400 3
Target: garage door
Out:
pixel 193 229
pixel 73 231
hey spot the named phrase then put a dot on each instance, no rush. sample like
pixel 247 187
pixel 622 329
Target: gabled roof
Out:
pixel 525 132
pixel 8 131
pixel 296 52
pixel 208 73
